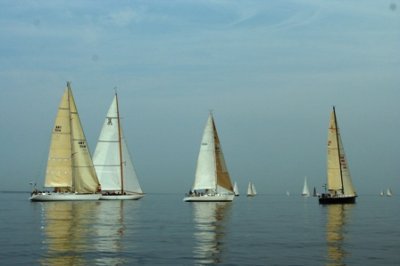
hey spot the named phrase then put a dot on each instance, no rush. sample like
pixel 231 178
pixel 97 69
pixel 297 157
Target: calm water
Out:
pixel 161 229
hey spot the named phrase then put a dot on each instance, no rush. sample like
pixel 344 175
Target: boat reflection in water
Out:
pixel 210 221
pixel 67 230
pixel 111 232
pixel 87 233
pixel 337 217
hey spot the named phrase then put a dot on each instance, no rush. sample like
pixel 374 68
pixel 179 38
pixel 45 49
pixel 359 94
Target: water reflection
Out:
pixel 209 231
pixel 336 223
pixel 111 230
pixel 86 233
pixel 67 230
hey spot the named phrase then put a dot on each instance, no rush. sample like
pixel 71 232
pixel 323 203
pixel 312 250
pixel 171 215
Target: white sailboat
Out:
pixel 251 190
pixel 388 192
pixel 236 189
pixel 339 185
pixel 112 161
pixel 70 169
pixel 306 191
pixel 212 181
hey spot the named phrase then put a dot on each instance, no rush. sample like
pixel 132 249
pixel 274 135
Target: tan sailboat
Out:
pixel 70 169
pixel 339 184
pixel 212 181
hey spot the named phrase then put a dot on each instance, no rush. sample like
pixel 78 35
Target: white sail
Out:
pixel 206 172
pixel 306 191
pixel 111 158
pixel 338 173
pixel 236 189
pixel 251 190
pixel 388 192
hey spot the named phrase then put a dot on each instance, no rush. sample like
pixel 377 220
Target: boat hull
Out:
pixel 209 198
pixel 122 197
pixel 53 196
pixel 328 199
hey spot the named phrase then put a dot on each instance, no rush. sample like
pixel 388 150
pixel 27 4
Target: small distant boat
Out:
pixel 70 169
pixel 388 192
pixel 251 190
pixel 339 184
pixel 113 162
pixel 287 193
pixel 382 193
pixel 306 191
pixel 236 189
pixel 212 181
pixel 315 193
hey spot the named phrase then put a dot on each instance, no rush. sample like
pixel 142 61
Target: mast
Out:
pixel 120 146
pixel 215 152
pixel 338 146
pixel 71 136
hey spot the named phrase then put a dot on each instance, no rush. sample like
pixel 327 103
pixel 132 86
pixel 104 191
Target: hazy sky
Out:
pixel 270 71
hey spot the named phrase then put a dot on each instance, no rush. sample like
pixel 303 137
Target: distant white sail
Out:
pixel 389 192
pixel 251 190
pixel 306 191
pixel 236 189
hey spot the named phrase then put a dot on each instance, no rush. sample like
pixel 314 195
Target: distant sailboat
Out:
pixel 112 161
pixel 236 189
pixel 306 191
pixel 287 193
pixel 388 192
pixel 339 184
pixel 315 194
pixel 212 181
pixel 382 193
pixel 251 190
pixel 70 169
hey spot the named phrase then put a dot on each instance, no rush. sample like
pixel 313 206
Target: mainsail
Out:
pixel 251 189
pixel 306 191
pixel 338 173
pixel 211 171
pixel 111 158
pixel 70 167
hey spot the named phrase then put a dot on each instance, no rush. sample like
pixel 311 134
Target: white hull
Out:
pixel 209 198
pixel 54 196
pixel 122 197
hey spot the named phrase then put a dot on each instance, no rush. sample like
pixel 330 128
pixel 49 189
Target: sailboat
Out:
pixel 112 161
pixel 236 189
pixel 315 194
pixel 306 191
pixel 339 184
pixel 212 181
pixel 251 190
pixel 388 192
pixel 70 169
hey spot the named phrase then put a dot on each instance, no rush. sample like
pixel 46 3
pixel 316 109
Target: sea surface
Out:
pixel 160 229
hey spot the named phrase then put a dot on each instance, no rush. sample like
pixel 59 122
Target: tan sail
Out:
pixel 338 173
pixel 70 167
pixel 59 165
pixel 223 178
pixel 84 174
